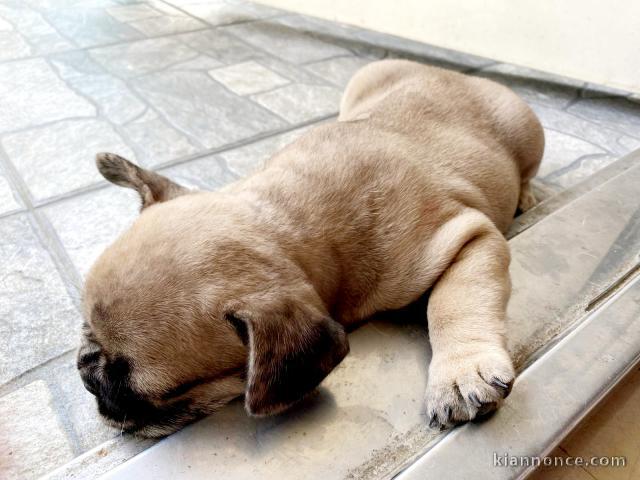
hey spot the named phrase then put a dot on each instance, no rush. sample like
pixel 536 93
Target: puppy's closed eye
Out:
pixel 182 389
pixel 191 384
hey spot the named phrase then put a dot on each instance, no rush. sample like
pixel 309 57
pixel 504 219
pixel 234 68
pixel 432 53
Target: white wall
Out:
pixel 590 40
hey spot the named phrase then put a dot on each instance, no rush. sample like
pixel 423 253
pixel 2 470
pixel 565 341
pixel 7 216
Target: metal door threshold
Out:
pixel 573 331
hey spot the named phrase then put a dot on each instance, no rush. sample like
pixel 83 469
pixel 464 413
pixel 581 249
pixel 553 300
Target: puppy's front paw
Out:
pixel 467 386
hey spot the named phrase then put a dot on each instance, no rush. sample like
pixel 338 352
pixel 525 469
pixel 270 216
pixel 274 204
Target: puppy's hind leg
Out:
pixel 470 371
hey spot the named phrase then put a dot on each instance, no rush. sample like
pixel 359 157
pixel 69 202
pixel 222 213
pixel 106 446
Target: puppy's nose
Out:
pixel 87 366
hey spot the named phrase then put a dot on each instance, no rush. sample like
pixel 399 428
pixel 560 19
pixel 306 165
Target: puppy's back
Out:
pixel 421 100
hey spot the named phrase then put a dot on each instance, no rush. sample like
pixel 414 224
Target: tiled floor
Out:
pixel 204 90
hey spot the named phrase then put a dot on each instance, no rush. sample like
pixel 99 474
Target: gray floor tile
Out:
pixel 555 95
pixel 59 158
pixel 157 141
pixel 5 26
pixel 41 37
pixel 36 311
pixel 74 64
pixel 32 439
pixel 595 90
pixel 588 130
pixel 13 46
pixel 154 140
pixel 207 173
pixel 285 42
pixel 249 158
pixel 247 78
pixel 89 223
pixel 113 97
pixel 294 73
pixel 32 94
pixel 219 45
pixel 224 12
pixel 90 27
pixel 167 25
pixel 404 48
pixel 579 170
pixel 76 404
pixel 628 144
pixel 155 18
pixel 320 26
pixel 200 63
pixel 115 100
pixel 143 57
pixel 344 36
pixel 9 200
pixel 63 4
pixel 616 113
pixel 195 103
pixel 562 150
pixel 338 70
pixel 510 70
pixel 133 13
pixel 298 103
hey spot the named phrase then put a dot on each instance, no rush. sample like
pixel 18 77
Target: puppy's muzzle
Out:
pixel 108 382
pixel 118 403
pixel 114 397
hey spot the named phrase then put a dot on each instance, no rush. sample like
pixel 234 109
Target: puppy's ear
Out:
pixel 292 348
pixel 151 187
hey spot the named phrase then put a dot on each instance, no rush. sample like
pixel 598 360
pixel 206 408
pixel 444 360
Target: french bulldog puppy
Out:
pixel 247 290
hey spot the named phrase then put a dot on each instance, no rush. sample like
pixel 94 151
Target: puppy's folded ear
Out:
pixel 152 187
pixel 292 348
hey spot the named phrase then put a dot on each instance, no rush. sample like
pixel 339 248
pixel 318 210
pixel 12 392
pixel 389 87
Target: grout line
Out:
pixel 247 141
pixel 222 29
pixel 178 161
pixel 100 114
pixel 575 164
pixel 333 57
pixel 30 375
pixel 175 162
pixel 45 14
pixel 251 100
pixel 101 185
pixel 605 126
pixel 135 93
pixel 60 398
pixel 172 163
pixel 45 233
pixel 11 213
pixel 50 122
pixel 594 125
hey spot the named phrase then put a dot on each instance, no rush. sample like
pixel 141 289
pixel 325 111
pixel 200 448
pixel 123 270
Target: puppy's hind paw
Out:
pixel 527 199
pixel 467 389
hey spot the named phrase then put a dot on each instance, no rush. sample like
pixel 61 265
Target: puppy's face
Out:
pixel 184 313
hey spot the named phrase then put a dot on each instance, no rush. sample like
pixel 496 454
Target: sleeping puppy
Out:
pixel 248 290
